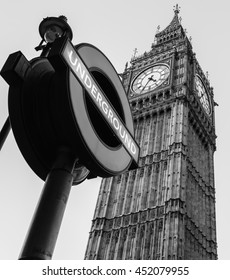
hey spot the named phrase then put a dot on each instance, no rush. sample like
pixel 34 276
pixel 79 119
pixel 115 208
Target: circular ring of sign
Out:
pixel 105 159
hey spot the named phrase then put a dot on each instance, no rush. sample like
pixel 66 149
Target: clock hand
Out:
pixel 146 84
pixel 149 79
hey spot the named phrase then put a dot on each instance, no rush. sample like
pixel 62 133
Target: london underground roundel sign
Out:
pixel 99 106
pixel 73 99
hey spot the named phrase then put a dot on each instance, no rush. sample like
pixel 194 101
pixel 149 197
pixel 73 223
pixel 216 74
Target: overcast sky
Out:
pixel 117 28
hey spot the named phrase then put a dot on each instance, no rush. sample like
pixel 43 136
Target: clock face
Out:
pixel 202 94
pixel 150 78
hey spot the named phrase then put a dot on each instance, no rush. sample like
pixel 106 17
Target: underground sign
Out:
pixel 100 107
pixel 72 98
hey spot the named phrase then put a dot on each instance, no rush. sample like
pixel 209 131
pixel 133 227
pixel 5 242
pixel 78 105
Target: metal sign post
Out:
pixel 4 132
pixel 44 229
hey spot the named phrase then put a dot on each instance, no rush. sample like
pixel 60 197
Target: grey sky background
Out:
pixel 116 28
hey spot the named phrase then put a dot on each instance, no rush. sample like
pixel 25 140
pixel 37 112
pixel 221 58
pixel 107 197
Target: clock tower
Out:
pixel 165 209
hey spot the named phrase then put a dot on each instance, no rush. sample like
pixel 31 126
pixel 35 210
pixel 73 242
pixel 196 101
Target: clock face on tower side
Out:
pixel 150 78
pixel 202 94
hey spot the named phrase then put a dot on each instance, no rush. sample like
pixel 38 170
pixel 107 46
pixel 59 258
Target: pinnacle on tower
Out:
pixel 176 9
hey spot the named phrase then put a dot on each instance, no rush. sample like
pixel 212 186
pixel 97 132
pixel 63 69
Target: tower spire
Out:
pixel 170 31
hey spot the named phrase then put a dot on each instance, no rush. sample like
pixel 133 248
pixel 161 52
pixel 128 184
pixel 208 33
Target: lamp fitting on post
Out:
pixel 50 29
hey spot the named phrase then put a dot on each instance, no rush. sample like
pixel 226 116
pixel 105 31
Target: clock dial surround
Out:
pixel 202 94
pixel 150 78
